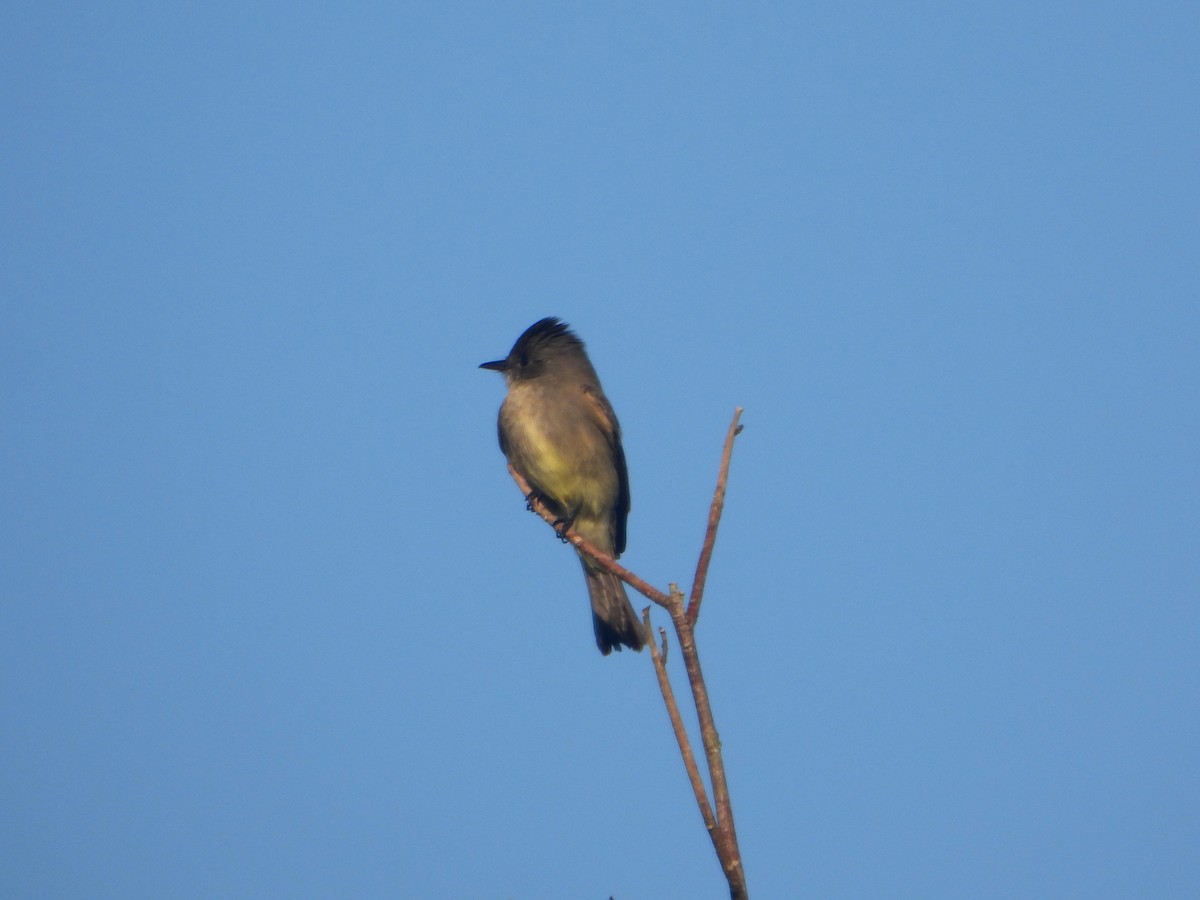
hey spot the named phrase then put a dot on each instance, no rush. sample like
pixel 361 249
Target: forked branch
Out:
pixel 720 825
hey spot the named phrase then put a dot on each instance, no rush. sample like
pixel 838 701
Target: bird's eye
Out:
pixel 524 360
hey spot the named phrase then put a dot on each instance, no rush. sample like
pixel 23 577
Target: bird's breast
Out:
pixel 554 444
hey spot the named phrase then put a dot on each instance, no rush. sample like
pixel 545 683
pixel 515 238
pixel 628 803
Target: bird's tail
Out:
pixel 613 618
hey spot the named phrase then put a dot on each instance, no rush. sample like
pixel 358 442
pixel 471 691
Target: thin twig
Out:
pixel 649 591
pixel 727 851
pixel 685 747
pixel 714 518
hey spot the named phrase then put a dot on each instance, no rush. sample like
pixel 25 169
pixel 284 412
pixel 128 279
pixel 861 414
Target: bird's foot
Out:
pixel 561 527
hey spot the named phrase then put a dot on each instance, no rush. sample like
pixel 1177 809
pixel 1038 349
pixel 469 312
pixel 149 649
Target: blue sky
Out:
pixel 273 620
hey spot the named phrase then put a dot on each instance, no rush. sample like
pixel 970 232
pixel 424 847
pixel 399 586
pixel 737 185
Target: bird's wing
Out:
pixel 601 412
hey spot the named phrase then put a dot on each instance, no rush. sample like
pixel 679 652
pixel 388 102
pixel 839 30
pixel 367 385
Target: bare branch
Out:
pixel 727 849
pixel 719 823
pixel 649 591
pixel 685 747
pixel 714 518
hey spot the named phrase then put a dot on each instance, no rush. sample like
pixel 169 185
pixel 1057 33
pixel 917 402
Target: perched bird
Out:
pixel 560 433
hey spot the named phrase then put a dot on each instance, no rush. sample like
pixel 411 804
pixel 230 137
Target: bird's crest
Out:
pixel 547 332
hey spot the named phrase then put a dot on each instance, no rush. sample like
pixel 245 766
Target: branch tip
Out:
pixel 714 519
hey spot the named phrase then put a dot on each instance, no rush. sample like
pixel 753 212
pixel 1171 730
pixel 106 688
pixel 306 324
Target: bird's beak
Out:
pixel 498 365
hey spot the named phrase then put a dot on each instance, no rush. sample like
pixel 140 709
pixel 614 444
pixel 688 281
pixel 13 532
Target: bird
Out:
pixel 558 430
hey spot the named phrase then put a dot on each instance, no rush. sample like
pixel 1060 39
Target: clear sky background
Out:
pixel 273 619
